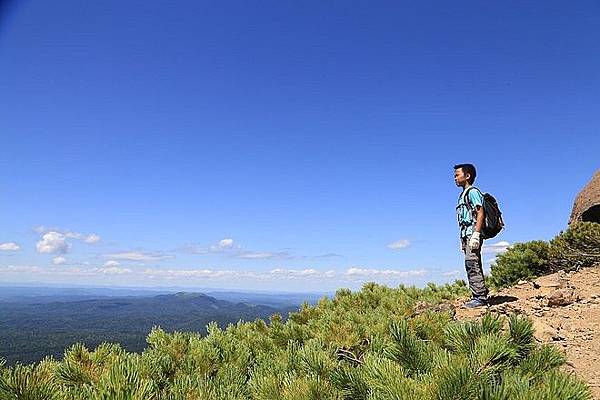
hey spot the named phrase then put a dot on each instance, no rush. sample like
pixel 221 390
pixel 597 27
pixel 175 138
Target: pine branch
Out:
pixel 348 355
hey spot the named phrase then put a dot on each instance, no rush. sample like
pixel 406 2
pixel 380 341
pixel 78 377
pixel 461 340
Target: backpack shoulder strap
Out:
pixel 466 197
pixel 466 194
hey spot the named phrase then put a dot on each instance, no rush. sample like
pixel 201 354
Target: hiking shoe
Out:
pixel 475 302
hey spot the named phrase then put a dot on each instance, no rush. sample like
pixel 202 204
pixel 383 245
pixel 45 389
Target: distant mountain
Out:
pixel 269 299
pixel 18 293
pixel 46 294
pixel 30 330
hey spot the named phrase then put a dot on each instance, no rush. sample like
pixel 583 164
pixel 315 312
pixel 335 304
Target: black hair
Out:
pixel 468 169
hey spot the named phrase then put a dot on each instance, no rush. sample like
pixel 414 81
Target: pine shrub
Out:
pixel 577 247
pixel 379 350
pixel 521 261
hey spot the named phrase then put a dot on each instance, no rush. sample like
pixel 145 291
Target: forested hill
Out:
pixel 31 330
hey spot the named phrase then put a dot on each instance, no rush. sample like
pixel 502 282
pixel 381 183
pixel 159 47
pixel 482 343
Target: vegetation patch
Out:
pixel 577 247
pixel 369 344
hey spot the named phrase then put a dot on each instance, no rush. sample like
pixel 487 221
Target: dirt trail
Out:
pixel 565 310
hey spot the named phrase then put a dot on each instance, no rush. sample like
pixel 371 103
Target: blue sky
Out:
pixel 284 145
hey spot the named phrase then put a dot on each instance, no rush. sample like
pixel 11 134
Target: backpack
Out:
pixel 493 222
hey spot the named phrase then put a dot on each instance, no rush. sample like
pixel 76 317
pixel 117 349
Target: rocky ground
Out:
pixel 565 310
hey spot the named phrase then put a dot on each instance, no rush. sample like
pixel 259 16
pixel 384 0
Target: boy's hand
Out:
pixel 474 240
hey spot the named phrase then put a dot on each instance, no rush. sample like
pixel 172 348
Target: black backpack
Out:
pixel 493 223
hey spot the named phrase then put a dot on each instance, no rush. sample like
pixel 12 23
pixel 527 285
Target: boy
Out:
pixel 471 218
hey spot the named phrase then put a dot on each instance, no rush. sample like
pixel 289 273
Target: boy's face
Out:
pixel 460 178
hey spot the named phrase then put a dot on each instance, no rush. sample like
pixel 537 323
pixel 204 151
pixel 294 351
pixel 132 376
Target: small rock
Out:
pixel 444 307
pixel 543 332
pixel 420 307
pixel 562 297
pixel 521 282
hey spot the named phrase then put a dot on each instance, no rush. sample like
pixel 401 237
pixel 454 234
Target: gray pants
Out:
pixel 474 269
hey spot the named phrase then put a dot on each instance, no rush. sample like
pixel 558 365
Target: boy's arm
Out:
pixel 476 199
pixel 480 219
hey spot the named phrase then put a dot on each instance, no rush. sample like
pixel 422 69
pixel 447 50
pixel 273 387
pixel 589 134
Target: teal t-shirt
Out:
pixel 466 219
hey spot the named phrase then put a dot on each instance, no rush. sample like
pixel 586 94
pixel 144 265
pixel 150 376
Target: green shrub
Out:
pixel 577 247
pixel 521 261
pixel 364 345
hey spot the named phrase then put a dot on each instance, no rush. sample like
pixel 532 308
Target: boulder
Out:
pixel 562 297
pixel 587 203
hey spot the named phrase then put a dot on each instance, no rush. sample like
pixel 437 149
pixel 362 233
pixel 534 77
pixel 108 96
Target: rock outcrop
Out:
pixel 587 203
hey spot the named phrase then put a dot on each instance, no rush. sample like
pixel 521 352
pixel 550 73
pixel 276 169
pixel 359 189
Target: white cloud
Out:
pixel 230 248
pixel 114 270
pixel 309 274
pixel 91 239
pixel 137 256
pixel 278 273
pixel 193 249
pixel 263 255
pixel 196 273
pixel 41 229
pixel 452 273
pixel 303 273
pixel 10 246
pixel 72 235
pixel 386 273
pixel 62 271
pixel 305 277
pixel 495 248
pixel 27 269
pixel 226 243
pixel 223 246
pixel 33 269
pixel 328 255
pixel 398 244
pixel 60 260
pixel 53 242
pixel 111 263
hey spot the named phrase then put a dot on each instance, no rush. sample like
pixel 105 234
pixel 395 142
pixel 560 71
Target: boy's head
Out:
pixel 463 174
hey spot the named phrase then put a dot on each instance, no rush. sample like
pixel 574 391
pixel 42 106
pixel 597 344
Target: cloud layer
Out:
pixel 353 274
pixel 137 256
pixel 495 248
pixel 229 248
pixel 202 275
